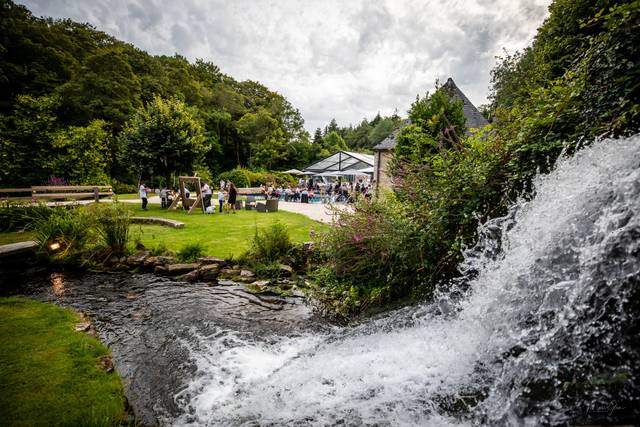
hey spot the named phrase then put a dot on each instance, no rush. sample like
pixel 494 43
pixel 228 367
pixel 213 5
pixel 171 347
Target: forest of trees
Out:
pixel 77 104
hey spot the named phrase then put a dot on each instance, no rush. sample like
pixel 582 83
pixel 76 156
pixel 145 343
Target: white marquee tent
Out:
pixel 342 163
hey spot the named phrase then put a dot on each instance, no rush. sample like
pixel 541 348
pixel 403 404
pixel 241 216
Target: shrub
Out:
pixel 238 176
pixel 16 216
pixel 191 252
pixel 159 249
pixel 242 177
pixel 112 226
pixel 62 233
pixel 123 188
pixel 270 244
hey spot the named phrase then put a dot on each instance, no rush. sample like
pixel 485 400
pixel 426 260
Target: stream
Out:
pixel 542 329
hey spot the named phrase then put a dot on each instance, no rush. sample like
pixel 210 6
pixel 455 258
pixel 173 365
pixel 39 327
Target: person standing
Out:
pixel 143 195
pixel 233 193
pixel 206 195
pixel 222 184
pixel 221 198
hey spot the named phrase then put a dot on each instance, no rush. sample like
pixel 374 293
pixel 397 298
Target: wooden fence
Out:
pixel 57 192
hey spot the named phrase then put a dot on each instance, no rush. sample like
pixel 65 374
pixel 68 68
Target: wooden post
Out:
pixel 182 194
pixel 96 194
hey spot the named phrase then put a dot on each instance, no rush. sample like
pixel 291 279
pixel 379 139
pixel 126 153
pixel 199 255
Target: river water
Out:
pixel 543 329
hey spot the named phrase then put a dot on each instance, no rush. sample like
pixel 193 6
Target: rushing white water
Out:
pixel 548 294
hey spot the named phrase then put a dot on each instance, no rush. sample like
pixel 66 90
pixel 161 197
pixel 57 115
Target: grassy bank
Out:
pixel 222 235
pixel 50 374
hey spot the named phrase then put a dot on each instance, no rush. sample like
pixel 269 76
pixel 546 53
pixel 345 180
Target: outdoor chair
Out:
pixel 272 205
pixel 250 203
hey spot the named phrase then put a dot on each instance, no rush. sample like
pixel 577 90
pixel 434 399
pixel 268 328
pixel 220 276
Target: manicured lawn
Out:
pixel 50 374
pixel 222 235
pixel 13 237
pixel 130 196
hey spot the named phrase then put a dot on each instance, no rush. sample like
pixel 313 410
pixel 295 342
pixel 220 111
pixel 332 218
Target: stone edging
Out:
pixel 157 221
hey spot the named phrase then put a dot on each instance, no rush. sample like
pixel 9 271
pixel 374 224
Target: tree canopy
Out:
pixel 61 79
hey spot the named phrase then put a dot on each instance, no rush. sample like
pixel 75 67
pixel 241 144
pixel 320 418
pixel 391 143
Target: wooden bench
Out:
pixel 75 192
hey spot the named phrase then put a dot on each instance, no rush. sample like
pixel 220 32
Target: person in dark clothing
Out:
pixel 233 193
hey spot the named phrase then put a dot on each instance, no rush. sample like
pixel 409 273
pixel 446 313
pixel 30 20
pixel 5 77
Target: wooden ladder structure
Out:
pixel 183 198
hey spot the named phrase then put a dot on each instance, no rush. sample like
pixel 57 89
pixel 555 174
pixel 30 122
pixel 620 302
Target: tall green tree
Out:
pixel 163 138
pixel 437 122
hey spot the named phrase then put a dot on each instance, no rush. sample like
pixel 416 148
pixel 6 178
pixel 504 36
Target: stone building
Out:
pixel 383 152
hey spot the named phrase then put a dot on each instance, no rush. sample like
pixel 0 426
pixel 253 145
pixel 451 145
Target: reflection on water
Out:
pixel 57 284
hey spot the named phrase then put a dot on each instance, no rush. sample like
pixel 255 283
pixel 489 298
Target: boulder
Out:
pixel 121 267
pixel 178 269
pixel 209 272
pixel 151 261
pixel 164 260
pixel 83 327
pixel 211 260
pixel 247 273
pixel 262 283
pixel 229 272
pixel 190 277
pixel 285 270
pixel 113 260
pixel 138 258
pixel 160 269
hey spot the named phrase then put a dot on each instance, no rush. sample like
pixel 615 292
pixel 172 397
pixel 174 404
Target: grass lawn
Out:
pixel 15 236
pixel 50 374
pixel 130 196
pixel 222 235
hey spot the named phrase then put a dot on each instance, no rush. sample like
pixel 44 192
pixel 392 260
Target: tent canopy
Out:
pixel 341 162
pixel 294 172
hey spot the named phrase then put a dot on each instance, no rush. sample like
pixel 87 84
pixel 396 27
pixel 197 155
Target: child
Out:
pixel 221 199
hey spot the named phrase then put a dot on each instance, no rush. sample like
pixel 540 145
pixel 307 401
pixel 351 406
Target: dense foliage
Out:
pixel 80 234
pixel 577 81
pixel 78 104
pixel 361 138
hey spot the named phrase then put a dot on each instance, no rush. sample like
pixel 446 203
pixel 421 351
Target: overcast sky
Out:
pixel 346 59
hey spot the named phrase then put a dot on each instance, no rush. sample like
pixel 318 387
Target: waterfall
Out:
pixel 544 330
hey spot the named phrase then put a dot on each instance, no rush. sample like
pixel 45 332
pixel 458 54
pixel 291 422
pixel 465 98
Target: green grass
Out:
pixel 131 196
pixel 50 374
pixel 221 235
pixel 15 236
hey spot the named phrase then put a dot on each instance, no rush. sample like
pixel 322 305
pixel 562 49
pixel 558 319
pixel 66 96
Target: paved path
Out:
pixel 317 211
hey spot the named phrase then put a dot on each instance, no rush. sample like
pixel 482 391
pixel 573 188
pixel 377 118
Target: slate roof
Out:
pixel 474 119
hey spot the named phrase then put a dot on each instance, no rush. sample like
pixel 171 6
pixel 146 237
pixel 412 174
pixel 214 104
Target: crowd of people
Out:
pixel 306 191
pixel 227 195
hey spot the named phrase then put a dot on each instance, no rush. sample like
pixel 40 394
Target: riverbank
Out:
pixel 52 374
pixel 154 327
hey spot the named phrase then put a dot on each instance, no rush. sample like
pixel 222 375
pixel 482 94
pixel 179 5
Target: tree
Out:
pixel 163 138
pixel 381 130
pixel 436 122
pixel 317 136
pixel 265 138
pixel 82 153
pixel 333 142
